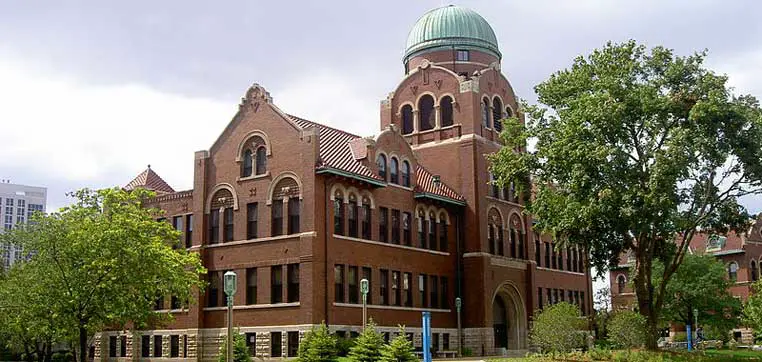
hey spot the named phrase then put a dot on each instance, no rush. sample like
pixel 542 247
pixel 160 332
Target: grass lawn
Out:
pixel 708 356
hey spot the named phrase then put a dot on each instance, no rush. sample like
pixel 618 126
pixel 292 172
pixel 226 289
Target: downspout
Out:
pixel 325 249
pixel 459 237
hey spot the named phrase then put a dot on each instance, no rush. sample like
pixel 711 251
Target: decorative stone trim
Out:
pixel 253 306
pixel 391 245
pixel 560 271
pixel 261 240
pixel 392 307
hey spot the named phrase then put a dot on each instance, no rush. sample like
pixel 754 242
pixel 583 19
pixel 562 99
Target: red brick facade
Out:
pixel 489 256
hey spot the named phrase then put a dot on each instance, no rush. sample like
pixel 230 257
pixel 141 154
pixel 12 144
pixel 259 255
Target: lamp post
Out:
pixel 364 290
pixel 458 305
pixel 230 279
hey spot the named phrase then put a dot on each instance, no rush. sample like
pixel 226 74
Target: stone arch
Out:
pixel 352 191
pixel 443 215
pixel 215 190
pixel 515 332
pixel 379 162
pixel 426 106
pixel 494 209
pixel 514 216
pixel 406 115
pixel 420 208
pixel 250 137
pixel 621 283
pixel 275 189
pixel 365 194
pixel 340 189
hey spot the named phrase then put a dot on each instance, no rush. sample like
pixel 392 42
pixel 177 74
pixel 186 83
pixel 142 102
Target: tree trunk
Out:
pixel 82 344
pixel 646 307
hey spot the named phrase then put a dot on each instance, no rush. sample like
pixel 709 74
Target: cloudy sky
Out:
pixel 93 91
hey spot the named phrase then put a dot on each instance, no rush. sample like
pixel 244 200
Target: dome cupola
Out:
pixel 451 27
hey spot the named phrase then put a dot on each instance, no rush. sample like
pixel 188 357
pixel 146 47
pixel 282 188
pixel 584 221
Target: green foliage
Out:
pixel 318 345
pixel 637 150
pixel 241 352
pixel 343 345
pixel 62 357
pixel 558 328
pixel 101 262
pixel 367 346
pixel 680 337
pixel 600 354
pixel 399 349
pixel 627 329
pixel 752 309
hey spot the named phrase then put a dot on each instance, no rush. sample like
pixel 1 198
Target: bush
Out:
pixel 600 354
pixel 62 357
pixel 399 349
pixel 367 346
pixel 627 329
pixel 558 328
pixel 343 345
pixel 318 345
pixel 241 352
pixel 680 337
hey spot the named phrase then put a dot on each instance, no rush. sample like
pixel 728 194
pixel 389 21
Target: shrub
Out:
pixel 318 345
pixel 367 346
pixel 343 345
pixel 680 337
pixel 627 329
pixel 600 354
pixel 241 352
pixel 558 328
pixel 399 349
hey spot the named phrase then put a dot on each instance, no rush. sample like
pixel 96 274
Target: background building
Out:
pixel 741 254
pixel 17 204
pixel 302 212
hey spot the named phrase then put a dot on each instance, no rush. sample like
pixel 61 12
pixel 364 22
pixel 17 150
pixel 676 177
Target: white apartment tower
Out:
pixel 17 204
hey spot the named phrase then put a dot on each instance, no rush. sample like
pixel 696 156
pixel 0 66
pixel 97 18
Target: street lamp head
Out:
pixel 458 303
pixel 364 288
pixel 230 283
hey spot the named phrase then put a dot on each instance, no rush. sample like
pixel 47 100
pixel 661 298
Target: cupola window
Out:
pixel 407 119
pixel 497 114
pixel 445 108
pixel 426 112
pixel 462 55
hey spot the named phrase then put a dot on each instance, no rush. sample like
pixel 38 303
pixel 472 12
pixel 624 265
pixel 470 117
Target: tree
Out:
pixel 752 309
pixel 700 283
pixel 399 349
pixel 318 345
pixel 636 150
pixel 558 328
pixel 103 262
pixel 602 303
pixel 367 346
pixel 241 352
pixel 627 329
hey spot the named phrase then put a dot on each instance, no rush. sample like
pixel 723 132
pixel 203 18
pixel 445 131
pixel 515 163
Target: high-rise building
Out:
pixel 17 205
pixel 302 212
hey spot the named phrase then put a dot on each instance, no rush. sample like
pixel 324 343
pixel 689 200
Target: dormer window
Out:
pixel 462 55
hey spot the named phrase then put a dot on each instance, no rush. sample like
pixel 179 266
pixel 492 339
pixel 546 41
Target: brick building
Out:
pixel 741 254
pixel 302 212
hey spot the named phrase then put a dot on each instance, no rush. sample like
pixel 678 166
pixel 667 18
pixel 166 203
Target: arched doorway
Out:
pixel 500 323
pixel 509 322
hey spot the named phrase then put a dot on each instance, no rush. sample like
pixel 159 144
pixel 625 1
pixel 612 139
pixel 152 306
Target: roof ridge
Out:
pixel 323 125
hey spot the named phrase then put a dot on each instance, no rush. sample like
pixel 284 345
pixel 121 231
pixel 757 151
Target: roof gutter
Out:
pixel 429 195
pixel 333 171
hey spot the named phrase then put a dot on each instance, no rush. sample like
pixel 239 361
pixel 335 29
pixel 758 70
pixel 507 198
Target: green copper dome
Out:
pixel 448 27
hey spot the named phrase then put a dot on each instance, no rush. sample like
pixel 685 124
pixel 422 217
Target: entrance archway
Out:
pixel 509 322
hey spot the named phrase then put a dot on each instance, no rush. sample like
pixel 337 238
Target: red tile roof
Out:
pixel 342 151
pixel 427 185
pixel 150 180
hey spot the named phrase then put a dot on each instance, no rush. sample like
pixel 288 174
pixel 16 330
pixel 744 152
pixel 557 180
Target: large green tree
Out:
pixel 639 150
pixel 103 262
pixel 700 283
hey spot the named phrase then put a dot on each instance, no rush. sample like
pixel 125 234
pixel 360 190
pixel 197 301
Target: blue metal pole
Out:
pixel 688 335
pixel 426 336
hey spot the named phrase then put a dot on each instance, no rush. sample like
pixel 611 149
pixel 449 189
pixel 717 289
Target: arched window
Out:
pixel 338 214
pixel 733 271
pixel 445 110
pixel 754 272
pixel 485 112
pixel 508 112
pixel 426 113
pixel 494 188
pixel 293 215
pixel 352 216
pixel 495 232
pixel 422 229
pixel 432 231
pixel 407 119
pixel 405 173
pixel 247 163
pixel 621 283
pixel 442 233
pixel 381 162
pixel 261 161
pixel 285 189
pixel 394 168
pixel 497 114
